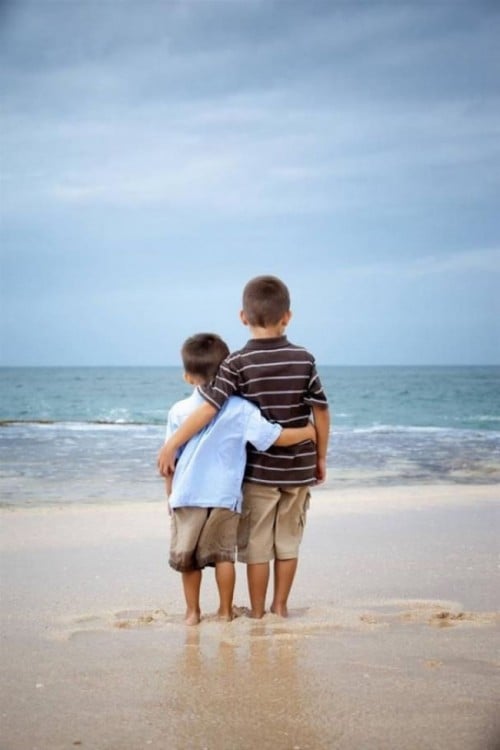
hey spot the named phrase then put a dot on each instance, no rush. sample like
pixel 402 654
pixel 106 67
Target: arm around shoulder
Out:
pixel 193 424
pixel 293 435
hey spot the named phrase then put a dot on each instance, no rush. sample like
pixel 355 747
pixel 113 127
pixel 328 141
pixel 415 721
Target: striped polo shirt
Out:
pixel 281 379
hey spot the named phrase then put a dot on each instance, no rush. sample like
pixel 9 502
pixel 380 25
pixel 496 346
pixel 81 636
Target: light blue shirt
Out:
pixel 210 468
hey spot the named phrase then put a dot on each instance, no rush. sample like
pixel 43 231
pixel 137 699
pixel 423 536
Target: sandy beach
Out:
pixel 392 641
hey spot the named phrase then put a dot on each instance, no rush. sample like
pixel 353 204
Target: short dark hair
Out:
pixel 265 300
pixel 202 354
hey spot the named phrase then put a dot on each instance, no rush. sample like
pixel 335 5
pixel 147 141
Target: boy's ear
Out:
pixel 286 318
pixel 243 318
pixel 188 379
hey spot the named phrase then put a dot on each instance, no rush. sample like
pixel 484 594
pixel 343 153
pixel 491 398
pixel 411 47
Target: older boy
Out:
pixel 280 378
pixel 205 490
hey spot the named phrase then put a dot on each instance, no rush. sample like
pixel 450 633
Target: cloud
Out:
pixel 341 145
pixel 248 109
pixel 250 156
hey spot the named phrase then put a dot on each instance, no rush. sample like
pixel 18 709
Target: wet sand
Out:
pixel 392 641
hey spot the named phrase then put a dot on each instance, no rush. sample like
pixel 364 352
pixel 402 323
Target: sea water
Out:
pixel 92 434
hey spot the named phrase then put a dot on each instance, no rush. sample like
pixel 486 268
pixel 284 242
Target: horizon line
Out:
pixel 179 366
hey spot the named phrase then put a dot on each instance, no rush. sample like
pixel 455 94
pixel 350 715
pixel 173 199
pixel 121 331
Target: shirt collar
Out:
pixel 267 343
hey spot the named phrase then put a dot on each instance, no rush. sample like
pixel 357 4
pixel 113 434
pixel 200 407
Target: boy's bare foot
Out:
pixel 224 615
pixel 192 617
pixel 280 610
pixel 257 614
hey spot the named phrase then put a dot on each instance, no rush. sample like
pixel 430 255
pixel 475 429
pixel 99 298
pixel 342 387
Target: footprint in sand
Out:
pixel 127 619
pixel 445 619
pixel 433 663
pixel 436 614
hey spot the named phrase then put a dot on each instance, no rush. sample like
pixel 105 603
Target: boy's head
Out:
pixel 201 356
pixel 266 302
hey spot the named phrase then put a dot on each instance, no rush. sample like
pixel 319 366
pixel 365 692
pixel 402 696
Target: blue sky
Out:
pixel 156 155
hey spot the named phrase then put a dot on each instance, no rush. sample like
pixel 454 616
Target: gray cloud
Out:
pixel 138 137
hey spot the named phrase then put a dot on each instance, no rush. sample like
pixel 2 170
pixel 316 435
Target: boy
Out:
pixel 205 490
pixel 281 379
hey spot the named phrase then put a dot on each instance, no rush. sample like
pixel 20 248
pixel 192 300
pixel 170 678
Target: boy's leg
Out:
pixel 255 541
pixel 185 528
pixel 191 582
pixel 290 522
pixel 225 577
pixel 257 580
pixel 217 546
pixel 284 573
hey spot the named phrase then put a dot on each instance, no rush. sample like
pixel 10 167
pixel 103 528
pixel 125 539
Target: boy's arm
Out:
pixel 293 435
pixel 322 424
pixel 193 424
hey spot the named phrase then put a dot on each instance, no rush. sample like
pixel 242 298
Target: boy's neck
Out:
pixel 271 332
pixel 195 381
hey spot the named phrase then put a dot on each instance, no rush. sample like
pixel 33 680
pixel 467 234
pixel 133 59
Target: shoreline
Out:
pixel 329 498
pixel 391 640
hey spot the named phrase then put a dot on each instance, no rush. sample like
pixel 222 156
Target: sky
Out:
pixel 156 155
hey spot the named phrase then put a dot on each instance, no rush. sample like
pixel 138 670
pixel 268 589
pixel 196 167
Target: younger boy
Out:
pixel 281 379
pixel 205 490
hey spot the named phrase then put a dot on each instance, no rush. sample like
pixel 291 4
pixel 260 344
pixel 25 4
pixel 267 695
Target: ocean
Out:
pixel 91 435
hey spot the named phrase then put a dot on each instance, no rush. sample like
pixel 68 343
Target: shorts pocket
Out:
pixel 305 508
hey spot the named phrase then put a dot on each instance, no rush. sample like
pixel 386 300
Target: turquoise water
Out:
pixel 92 434
pixel 455 397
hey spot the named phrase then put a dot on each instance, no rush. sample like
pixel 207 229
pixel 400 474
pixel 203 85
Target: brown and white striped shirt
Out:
pixel 281 379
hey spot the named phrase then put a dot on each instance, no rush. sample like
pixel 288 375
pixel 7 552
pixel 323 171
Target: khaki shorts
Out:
pixel 202 536
pixel 272 522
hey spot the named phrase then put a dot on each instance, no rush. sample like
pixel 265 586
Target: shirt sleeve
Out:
pixel 226 384
pixel 173 423
pixel 315 393
pixel 259 431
